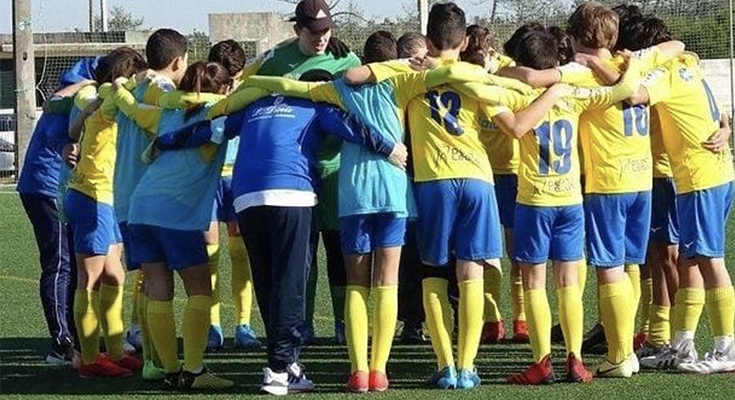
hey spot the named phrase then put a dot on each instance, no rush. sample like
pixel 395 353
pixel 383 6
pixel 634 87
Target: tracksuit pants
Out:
pixel 278 240
pixel 58 265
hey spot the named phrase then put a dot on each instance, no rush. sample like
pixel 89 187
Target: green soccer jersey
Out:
pixel 288 61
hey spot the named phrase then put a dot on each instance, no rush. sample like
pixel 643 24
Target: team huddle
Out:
pixel 600 144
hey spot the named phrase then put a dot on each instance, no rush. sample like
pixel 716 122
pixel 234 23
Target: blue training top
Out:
pixel 368 183
pixel 132 140
pixel 177 190
pixel 279 138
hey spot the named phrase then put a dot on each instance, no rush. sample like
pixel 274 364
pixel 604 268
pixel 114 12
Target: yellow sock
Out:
pixel 634 274
pixel 720 305
pixel 659 332
pixel 539 322
pixel 356 326
pixel 163 332
pixel 242 280
pixel 517 298
pixel 492 279
pixel 143 322
pixel 582 276
pixel 688 306
pixel 135 298
pixel 644 308
pixel 470 322
pixel 111 310
pixel 438 319
pixel 194 330
pixel 616 306
pixel 385 315
pixel 571 318
pixel 213 265
pixel 86 319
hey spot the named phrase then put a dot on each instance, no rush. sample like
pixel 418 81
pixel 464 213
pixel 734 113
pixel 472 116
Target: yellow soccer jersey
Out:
pixel 445 135
pixel 615 142
pixel 499 61
pixel 680 89
pixel 502 150
pixel 96 166
pixel 661 124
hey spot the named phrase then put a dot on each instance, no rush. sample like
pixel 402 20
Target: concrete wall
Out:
pixel 264 29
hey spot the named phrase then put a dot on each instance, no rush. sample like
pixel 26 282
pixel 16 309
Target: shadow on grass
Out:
pixel 25 372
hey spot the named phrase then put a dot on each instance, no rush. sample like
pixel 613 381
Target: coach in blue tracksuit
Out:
pixel 274 184
pixel 38 185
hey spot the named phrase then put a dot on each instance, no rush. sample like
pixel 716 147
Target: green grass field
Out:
pixel 23 342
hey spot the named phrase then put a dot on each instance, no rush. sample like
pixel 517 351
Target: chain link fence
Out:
pixel 703 25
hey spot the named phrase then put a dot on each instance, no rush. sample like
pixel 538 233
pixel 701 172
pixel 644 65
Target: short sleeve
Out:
pixel 385 70
pixel 658 85
pixel 407 86
pixel 577 74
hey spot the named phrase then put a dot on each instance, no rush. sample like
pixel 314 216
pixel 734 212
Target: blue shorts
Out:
pixel 362 234
pixel 705 212
pixel 506 191
pixel 544 233
pixel 92 222
pixel 224 202
pixel 617 228
pixel 664 220
pixel 457 217
pixel 125 234
pixel 178 249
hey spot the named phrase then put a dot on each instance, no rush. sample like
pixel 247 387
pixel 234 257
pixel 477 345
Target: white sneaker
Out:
pixel 275 383
pixel 623 369
pixel 721 359
pixel 297 380
pixel 671 357
pixel 128 347
pixel 134 337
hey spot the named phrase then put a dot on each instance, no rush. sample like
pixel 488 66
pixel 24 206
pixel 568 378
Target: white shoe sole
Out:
pixel 53 360
pixel 275 390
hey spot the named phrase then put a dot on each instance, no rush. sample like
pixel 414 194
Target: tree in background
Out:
pixel 119 19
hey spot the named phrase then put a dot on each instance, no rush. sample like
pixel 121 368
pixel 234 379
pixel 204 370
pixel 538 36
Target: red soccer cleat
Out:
pixel 358 382
pixel 378 382
pixel 520 332
pixel 492 332
pixel 102 367
pixel 537 374
pixel 129 361
pixel 576 371
pixel 639 340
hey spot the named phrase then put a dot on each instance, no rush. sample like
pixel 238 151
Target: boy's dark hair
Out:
pixel 230 54
pixel 593 25
pixel 537 50
pixel 205 77
pixel 410 43
pixel 510 46
pixel 316 75
pixel 446 27
pixel 479 44
pixel 163 46
pixel 380 46
pixel 627 11
pixel 645 33
pixel 121 62
pixel 564 44
pixel 628 30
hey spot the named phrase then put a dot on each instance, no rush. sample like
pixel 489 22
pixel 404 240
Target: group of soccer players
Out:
pixel 597 145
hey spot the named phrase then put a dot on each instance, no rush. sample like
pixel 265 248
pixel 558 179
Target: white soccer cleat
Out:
pixel 721 359
pixel 671 357
pixel 635 364
pixel 297 380
pixel 623 369
pixel 275 383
